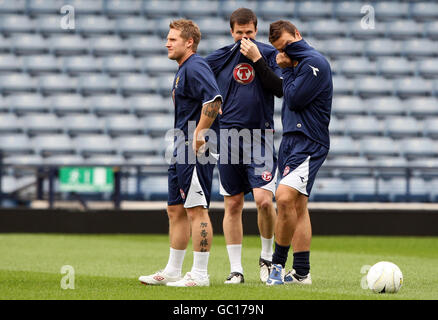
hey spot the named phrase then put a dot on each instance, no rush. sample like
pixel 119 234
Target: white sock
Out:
pixel 200 263
pixel 235 256
pixel 174 265
pixel 267 248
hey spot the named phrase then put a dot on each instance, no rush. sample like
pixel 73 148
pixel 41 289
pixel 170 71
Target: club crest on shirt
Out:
pixel 267 176
pixel 176 83
pixel 244 73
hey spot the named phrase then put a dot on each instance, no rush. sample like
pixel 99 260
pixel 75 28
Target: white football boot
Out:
pixel 235 278
pixel 293 278
pixel 190 280
pixel 158 278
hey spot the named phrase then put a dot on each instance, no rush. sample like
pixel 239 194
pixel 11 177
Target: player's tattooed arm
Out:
pixel 209 113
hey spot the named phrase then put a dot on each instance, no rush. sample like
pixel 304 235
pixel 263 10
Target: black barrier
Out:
pixel 324 222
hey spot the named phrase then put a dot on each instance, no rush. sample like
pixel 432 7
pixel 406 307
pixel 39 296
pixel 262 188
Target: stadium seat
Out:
pixel 308 10
pixel 156 65
pixel 165 84
pixel 50 24
pixel 197 8
pixel 158 125
pixel 5 45
pixel 29 103
pixel 12 144
pixel 395 67
pixel 143 161
pixel 35 65
pixel 124 7
pixel 348 105
pixel 343 146
pixel 61 83
pixel 149 104
pixel 373 86
pixel 213 26
pixel 64 160
pixel 342 85
pixel 398 127
pixel 124 125
pixel 425 11
pixel 404 29
pixel 120 64
pixel 341 47
pixel 432 30
pixel 82 64
pixel 4 105
pixel 129 146
pixel 419 48
pixel 69 44
pixel 324 28
pixel 29 44
pixel 83 124
pixel 228 6
pixel 46 145
pixel 382 47
pixel 87 6
pixel 358 126
pixel 413 86
pixel 107 45
pixel 330 189
pixel 424 167
pixel 385 106
pixel 351 67
pixel 93 144
pixel 398 191
pixel 16 23
pixel 105 160
pixel 9 124
pixel 159 8
pixel 418 148
pixel 350 167
pixel 389 11
pixel 44 6
pixel 336 126
pixel 17 82
pixel 137 84
pixel 428 68
pixel 36 124
pixel 127 26
pixel 357 31
pixel 274 10
pixel 69 104
pixel 147 45
pixel 379 147
pixel 24 160
pixel 96 84
pixel 91 24
pixel 422 106
pixel 431 127
pixel 364 190
pixel 158 192
pixel 392 167
pixel 10 63
pixel 12 6
pixel 348 10
pixel 108 104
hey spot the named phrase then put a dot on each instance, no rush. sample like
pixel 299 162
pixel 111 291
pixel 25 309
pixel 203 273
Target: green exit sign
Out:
pixel 95 179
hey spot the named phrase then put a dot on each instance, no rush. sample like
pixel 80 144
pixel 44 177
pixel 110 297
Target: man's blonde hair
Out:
pixel 189 30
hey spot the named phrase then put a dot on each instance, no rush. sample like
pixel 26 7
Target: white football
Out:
pixel 384 277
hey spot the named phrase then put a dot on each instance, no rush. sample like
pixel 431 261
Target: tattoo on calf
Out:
pixel 204 234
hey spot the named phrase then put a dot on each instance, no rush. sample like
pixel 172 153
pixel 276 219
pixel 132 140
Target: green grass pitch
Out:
pixel 108 266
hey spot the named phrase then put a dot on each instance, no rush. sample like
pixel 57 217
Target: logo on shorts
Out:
pixel 286 171
pixel 267 176
pixel 183 195
pixel 244 73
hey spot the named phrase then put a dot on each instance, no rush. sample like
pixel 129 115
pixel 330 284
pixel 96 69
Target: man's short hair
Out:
pixel 277 28
pixel 243 16
pixel 189 30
